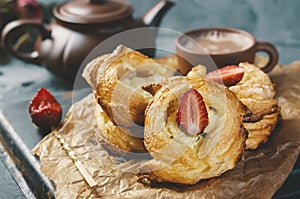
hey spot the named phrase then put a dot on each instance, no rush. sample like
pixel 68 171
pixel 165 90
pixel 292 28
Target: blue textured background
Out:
pixel 275 21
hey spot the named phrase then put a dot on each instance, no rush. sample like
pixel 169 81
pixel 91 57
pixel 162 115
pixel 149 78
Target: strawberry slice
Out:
pixel 228 75
pixel 192 115
pixel 44 110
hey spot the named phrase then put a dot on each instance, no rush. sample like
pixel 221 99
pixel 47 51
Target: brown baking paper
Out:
pixel 259 174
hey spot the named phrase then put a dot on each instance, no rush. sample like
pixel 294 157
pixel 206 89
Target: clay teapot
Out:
pixel 78 26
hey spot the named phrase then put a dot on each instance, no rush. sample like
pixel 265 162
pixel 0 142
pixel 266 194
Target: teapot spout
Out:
pixel 155 14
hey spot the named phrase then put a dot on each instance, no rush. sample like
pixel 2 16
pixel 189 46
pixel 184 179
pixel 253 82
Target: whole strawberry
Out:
pixel 44 110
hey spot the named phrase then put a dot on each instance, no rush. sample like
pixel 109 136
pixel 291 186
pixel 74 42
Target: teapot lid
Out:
pixel 92 11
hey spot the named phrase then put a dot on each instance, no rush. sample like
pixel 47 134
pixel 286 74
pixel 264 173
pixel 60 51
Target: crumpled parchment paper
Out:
pixel 259 174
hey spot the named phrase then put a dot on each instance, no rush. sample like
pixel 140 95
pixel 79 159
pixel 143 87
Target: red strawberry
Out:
pixel 228 75
pixel 192 114
pixel 44 110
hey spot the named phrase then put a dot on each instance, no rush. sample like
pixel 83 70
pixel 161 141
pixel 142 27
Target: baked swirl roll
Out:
pixel 257 92
pixel 182 158
pixel 117 80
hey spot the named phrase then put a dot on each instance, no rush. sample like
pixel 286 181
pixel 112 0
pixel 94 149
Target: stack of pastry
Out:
pixel 117 80
pixel 257 92
pixel 193 126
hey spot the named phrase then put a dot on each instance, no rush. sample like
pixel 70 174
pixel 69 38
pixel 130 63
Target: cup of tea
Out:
pixel 218 47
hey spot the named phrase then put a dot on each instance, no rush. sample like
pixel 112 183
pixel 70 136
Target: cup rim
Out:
pixel 208 29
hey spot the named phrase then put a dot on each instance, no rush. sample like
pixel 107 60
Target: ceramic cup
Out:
pixel 218 47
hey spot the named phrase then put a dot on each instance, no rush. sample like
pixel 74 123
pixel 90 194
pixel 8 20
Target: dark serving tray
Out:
pixel 19 136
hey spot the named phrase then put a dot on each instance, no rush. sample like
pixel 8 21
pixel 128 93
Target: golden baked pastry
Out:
pixel 260 131
pixel 117 81
pixel 198 71
pixel 257 92
pixel 184 158
pixel 114 139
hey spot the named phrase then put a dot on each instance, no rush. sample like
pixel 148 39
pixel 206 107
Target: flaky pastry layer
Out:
pixel 117 81
pixel 184 159
pixel 115 139
pixel 257 92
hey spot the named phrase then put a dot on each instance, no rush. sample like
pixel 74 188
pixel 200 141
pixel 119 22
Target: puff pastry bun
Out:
pixel 185 159
pixel 117 80
pixel 257 92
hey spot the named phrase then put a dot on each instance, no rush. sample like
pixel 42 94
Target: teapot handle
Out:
pixel 9 34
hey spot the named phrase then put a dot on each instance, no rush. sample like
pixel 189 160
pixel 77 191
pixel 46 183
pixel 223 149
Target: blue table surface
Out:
pixel 275 21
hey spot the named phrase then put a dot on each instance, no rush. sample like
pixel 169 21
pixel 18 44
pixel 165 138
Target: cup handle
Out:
pixel 272 53
pixel 14 27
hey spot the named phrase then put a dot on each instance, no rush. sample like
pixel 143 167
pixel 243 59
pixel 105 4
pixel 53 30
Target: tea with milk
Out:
pixel 217 42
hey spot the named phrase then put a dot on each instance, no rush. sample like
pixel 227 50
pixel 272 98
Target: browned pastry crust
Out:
pixel 184 159
pixel 117 81
pixel 260 131
pixel 257 92
pixel 115 139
